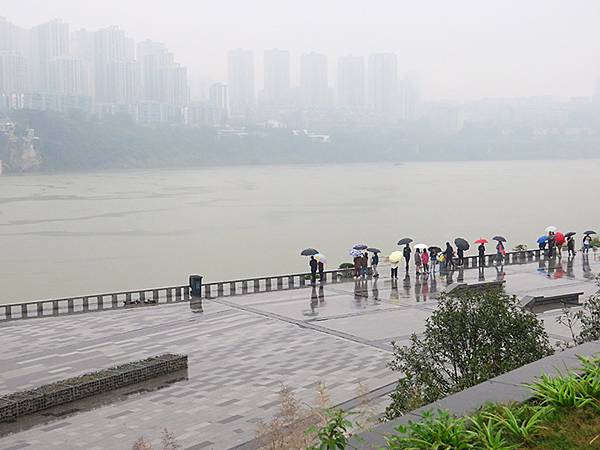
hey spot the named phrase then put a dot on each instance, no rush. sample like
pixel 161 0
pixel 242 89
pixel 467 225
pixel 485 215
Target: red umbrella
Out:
pixel 560 238
pixel 481 241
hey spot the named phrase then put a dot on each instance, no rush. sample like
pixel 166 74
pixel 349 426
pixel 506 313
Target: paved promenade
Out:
pixel 240 349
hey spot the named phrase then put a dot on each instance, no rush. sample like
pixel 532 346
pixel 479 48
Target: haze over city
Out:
pixel 461 50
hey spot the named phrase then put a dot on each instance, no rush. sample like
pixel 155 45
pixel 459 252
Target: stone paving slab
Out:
pixel 241 349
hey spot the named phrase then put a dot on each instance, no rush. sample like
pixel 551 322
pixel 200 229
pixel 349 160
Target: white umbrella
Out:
pixel 321 258
pixel 395 257
pixel 551 229
pixel 422 246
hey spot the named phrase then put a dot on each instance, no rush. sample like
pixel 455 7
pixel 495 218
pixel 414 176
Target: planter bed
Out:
pixel 89 384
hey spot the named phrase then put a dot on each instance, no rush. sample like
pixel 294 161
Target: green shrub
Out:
pixel 471 336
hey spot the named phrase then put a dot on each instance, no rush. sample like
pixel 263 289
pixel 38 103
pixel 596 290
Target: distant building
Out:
pixel 240 68
pixel 276 77
pixel 114 66
pixel 13 72
pixel 314 80
pixel 351 82
pixel 49 41
pixel 83 45
pixel 66 76
pixel 383 83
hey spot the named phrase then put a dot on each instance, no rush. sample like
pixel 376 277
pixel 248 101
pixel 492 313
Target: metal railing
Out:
pixel 174 294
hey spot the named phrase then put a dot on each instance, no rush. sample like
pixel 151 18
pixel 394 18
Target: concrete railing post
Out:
pixel 8 312
pixel 24 311
pixel 220 290
pixel 232 288
pixel 55 308
pixel 256 285
pixel 268 284
pixel 114 302
pixel 244 287
pixel 40 309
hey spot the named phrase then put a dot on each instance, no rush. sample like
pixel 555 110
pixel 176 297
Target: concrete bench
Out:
pixel 455 287
pixel 537 302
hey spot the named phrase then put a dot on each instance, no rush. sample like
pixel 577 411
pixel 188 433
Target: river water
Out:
pixel 69 234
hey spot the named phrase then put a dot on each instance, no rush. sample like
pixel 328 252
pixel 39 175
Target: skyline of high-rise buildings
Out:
pixel 107 67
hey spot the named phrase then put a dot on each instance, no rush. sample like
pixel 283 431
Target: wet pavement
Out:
pixel 241 349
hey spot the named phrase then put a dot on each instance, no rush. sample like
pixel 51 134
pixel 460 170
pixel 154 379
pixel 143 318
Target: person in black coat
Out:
pixel 449 255
pixel 406 253
pixel 481 251
pixel 313 269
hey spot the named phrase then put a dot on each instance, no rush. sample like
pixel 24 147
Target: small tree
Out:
pixel 588 317
pixel 472 336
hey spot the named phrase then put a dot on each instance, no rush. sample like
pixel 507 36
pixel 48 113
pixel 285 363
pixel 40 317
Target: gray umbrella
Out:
pixel 360 246
pixel 404 241
pixel 309 252
pixel 461 244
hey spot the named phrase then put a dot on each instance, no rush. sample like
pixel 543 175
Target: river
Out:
pixel 68 234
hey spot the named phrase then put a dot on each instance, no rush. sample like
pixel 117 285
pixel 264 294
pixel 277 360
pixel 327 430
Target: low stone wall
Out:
pixel 28 402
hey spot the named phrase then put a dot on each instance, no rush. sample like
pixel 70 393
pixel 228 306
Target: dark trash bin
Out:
pixel 196 285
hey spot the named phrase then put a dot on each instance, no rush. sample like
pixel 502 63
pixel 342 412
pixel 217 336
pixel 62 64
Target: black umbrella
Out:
pixel 461 244
pixel 373 250
pixel 360 247
pixel 570 233
pixel 404 241
pixel 589 232
pixel 309 252
pixel 435 248
pixel 499 238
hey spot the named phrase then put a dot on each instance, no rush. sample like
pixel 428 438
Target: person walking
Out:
pixel 406 253
pixel 425 259
pixel 321 268
pixel 449 256
pixel 313 270
pixel 418 262
pixel 374 264
pixel 587 243
pixel 570 246
pixel 481 251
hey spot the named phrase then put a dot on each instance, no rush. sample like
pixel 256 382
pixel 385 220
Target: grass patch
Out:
pixel 572 428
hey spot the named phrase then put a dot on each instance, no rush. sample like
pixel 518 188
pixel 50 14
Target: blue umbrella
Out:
pixel 542 239
pixel 355 253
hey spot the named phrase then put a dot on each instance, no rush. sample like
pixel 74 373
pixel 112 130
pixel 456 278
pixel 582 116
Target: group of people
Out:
pixel 553 246
pixel 426 259
pixel 361 265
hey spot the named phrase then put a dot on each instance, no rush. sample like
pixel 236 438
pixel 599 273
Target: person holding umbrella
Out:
pixel 481 252
pixel 406 253
pixel 374 264
pixel 313 269
pixel 449 255
pixel 418 262
pixel 570 246
pixel 500 251
pixel 551 244
pixel 587 241
pixel 364 265
pixel 394 259
pixel 425 260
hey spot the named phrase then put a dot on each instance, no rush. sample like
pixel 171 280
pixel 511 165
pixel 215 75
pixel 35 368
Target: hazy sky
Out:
pixel 458 49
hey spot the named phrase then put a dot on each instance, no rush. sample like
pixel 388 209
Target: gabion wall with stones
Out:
pixel 64 391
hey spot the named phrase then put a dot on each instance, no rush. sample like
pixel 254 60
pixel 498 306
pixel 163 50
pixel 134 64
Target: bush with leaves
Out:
pixel 472 336
pixel 587 318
